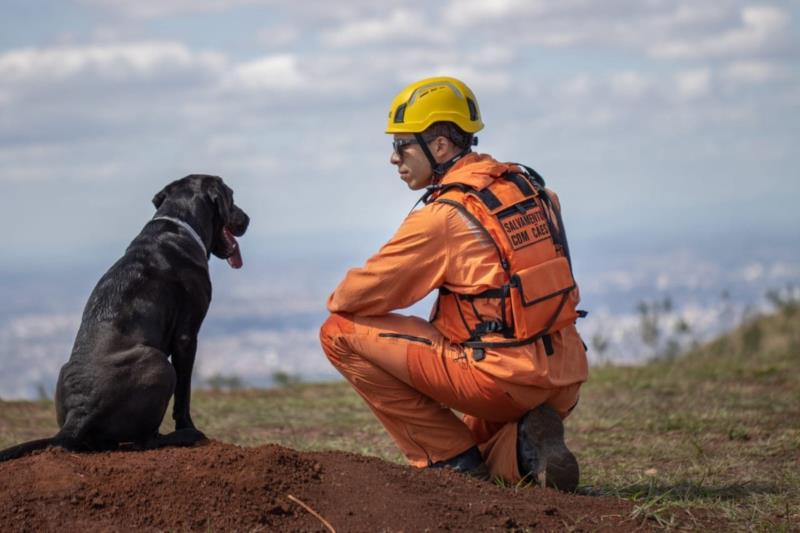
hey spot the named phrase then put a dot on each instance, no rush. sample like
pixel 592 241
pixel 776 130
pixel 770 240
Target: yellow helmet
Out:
pixel 431 100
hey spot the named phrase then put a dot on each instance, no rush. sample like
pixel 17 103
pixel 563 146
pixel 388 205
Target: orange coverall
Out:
pixel 436 246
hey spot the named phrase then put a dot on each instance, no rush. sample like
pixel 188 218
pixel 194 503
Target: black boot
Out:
pixel 469 462
pixel 542 455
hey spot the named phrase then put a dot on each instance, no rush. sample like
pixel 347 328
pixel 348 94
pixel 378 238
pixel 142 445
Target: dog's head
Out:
pixel 208 202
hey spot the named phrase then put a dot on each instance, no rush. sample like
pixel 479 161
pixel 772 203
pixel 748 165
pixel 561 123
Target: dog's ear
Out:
pixel 222 197
pixel 159 198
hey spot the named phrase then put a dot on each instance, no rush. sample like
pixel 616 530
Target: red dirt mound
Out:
pixel 221 487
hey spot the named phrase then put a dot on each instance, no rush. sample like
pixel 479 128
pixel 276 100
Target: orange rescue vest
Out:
pixel 540 296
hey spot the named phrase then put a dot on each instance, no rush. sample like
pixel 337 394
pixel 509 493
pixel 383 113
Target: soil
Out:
pixel 222 487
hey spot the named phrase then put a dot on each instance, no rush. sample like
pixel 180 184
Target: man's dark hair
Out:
pixel 458 136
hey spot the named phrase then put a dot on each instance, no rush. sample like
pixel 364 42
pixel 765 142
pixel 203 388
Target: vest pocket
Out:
pixel 543 298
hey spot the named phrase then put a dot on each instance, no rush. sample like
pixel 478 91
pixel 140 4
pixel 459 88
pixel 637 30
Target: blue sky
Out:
pixel 652 119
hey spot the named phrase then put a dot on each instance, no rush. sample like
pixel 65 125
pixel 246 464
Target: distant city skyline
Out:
pixel 265 317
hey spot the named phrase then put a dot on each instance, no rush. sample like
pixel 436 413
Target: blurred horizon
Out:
pixel 263 319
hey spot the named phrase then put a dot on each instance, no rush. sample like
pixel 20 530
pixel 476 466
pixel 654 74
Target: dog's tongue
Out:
pixel 235 259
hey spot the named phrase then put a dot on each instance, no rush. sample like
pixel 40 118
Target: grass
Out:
pixel 715 431
pixel 717 428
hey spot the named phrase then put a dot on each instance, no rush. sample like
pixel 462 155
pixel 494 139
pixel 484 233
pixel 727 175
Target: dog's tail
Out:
pixel 26 448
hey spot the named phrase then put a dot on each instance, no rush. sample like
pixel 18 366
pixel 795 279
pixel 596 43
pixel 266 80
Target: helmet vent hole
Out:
pixel 473 110
pixel 400 114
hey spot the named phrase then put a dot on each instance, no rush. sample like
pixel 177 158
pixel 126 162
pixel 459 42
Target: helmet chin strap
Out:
pixel 439 169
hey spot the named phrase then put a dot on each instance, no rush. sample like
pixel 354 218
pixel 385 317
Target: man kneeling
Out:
pixel 501 345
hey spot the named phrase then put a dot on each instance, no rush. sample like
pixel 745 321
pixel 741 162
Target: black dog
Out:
pixel 148 307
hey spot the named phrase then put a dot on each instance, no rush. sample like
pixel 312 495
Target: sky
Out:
pixel 652 119
pixel 668 128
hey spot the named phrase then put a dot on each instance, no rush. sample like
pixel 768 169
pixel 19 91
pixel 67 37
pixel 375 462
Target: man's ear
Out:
pixel 441 145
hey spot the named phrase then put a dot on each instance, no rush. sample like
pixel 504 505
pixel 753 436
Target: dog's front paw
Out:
pixel 182 437
pixel 194 433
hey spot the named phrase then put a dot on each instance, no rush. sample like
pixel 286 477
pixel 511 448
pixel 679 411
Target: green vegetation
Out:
pixel 715 431
pixel 716 428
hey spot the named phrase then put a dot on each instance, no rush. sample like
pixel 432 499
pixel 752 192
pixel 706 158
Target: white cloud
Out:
pixel 629 84
pixel 48 162
pixel 163 8
pixel 762 27
pixel 691 15
pixel 694 83
pixel 276 72
pixel 306 12
pixel 493 54
pixel 664 30
pixel 399 24
pixel 465 13
pixel 578 86
pixel 113 61
pixel 278 36
pixel 750 72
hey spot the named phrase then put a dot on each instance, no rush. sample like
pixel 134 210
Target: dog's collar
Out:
pixel 188 228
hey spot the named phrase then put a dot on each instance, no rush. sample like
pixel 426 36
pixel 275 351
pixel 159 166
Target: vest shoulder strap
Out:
pixel 532 174
pixel 472 218
pixel 522 184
